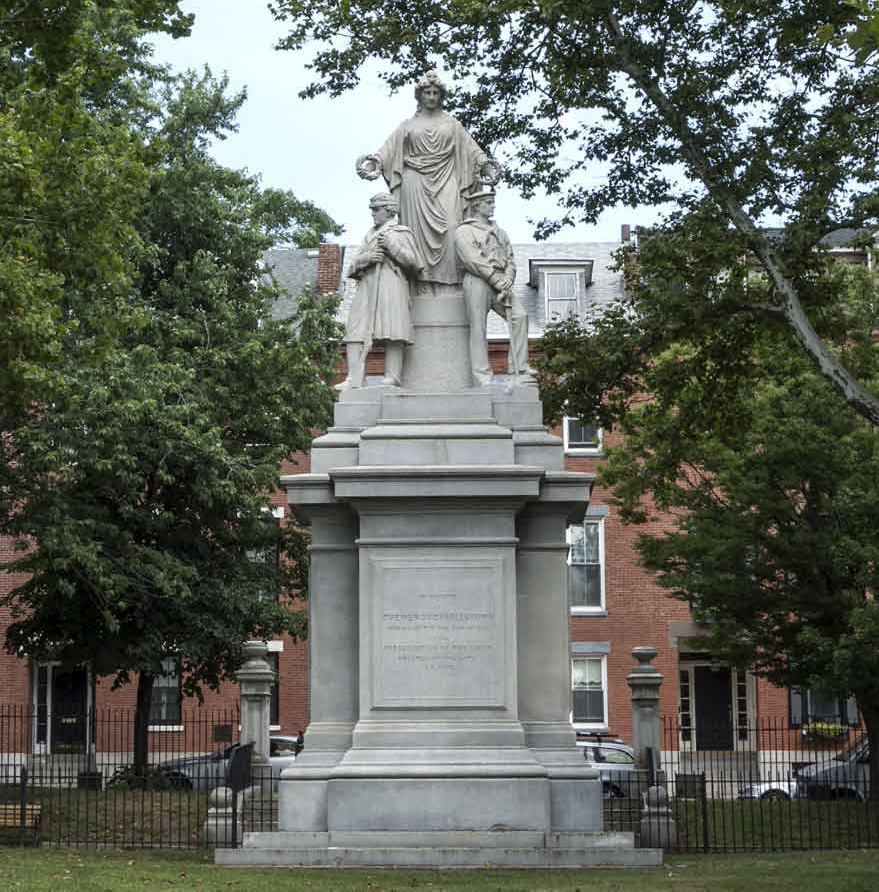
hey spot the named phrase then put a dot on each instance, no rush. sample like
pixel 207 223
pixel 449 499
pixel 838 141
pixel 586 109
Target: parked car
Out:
pixel 209 771
pixel 777 789
pixel 616 764
pixel 845 776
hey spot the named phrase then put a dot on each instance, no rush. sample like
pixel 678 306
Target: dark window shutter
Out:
pixel 850 713
pixel 796 707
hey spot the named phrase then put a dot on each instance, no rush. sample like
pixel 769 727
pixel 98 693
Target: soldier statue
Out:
pixel 384 266
pixel 485 253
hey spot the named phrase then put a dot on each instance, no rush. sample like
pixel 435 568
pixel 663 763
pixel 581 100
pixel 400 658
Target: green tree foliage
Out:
pixel 756 487
pixel 748 104
pixel 139 460
pixel 860 32
pixel 72 175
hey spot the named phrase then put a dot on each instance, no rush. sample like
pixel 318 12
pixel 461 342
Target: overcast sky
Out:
pixel 310 145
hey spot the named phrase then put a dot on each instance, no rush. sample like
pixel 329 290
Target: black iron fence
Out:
pixel 774 787
pixel 70 780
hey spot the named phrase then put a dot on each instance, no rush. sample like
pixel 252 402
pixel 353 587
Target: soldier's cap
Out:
pixel 481 192
pixel 383 200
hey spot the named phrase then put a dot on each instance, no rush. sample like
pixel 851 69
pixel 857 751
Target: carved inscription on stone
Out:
pixel 439 638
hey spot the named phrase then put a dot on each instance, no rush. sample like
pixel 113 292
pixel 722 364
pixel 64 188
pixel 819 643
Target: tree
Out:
pixel 72 175
pixel 862 35
pixel 138 486
pixel 767 486
pixel 749 106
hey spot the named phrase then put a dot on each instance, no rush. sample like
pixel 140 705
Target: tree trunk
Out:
pixel 870 712
pixel 142 723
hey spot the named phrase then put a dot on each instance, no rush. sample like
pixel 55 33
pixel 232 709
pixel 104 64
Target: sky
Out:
pixel 310 145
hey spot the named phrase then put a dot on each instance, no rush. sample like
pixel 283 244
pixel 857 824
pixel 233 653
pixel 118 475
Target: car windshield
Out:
pixel 619 757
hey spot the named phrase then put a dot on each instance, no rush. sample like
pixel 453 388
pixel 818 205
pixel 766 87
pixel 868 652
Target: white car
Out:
pixel 616 763
pixel 779 789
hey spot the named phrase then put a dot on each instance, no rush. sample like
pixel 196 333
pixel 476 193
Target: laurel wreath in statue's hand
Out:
pixel 369 167
pixel 490 171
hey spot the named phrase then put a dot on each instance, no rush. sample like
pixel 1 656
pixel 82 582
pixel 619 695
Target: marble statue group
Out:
pixel 439 651
pixel 432 230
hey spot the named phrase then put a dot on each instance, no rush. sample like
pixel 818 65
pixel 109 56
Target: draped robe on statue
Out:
pixel 429 164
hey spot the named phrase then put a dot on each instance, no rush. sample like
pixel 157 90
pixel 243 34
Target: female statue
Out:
pixel 430 163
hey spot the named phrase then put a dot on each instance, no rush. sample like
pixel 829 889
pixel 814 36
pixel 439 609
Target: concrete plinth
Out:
pixel 502 848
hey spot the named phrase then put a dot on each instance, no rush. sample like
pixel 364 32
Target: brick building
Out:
pixel 615 605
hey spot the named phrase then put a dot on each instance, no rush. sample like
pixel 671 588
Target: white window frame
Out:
pixel 276 646
pixel 167 727
pixel 277 512
pixel 591 726
pixel 601 609
pixel 580 450
pixel 808 716
pixel 575 300
pixel 740 732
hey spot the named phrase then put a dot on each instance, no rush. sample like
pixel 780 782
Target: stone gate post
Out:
pixel 645 681
pixel 255 678
pixel 658 828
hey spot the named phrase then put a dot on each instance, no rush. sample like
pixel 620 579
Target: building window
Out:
pixel 810 705
pixel 268 560
pixel 589 681
pixel 561 296
pixel 586 565
pixel 274 701
pixel 167 702
pixel 581 437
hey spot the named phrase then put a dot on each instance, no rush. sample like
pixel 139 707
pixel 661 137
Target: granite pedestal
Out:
pixel 439 664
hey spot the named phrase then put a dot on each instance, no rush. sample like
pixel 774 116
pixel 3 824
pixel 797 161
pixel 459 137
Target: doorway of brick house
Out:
pixel 716 718
pixel 62 704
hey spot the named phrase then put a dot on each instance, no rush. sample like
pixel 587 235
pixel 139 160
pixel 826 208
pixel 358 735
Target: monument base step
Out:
pixel 439 849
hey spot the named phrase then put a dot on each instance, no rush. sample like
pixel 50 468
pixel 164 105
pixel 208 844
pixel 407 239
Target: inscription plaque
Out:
pixel 439 633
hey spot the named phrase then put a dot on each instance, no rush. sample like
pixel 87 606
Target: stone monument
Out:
pixel 440 692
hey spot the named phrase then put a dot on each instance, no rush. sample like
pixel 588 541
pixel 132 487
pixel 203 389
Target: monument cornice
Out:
pixel 429 482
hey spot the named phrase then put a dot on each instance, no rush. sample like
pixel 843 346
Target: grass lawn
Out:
pixel 35 870
pixel 122 817
pixel 781 825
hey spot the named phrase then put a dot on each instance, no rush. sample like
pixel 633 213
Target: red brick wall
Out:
pixel 14 672
pixel 329 268
pixel 638 611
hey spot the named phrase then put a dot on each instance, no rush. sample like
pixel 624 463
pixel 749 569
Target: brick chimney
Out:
pixel 329 268
pixel 625 232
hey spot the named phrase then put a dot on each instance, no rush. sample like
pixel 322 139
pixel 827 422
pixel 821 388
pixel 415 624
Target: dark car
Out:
pixel 845 776
pixel 616 764
pixel 209 771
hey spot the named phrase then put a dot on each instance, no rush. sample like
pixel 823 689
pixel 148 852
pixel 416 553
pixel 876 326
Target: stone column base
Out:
pixel 498 848
pixel 434 798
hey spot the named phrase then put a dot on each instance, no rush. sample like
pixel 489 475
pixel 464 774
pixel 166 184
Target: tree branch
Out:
pixel 863 401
